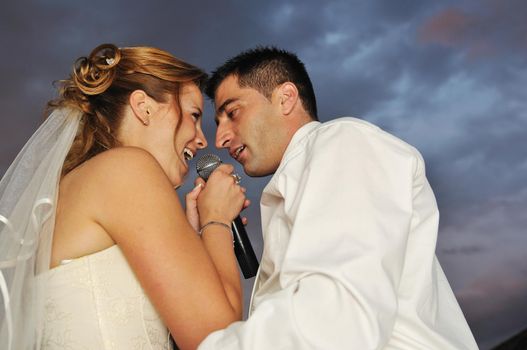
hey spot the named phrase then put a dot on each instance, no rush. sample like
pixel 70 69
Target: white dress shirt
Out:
pixel 349 226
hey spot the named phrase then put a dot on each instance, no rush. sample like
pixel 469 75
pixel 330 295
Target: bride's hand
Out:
pixel 246 204
pixel 191 204
pixel 221 199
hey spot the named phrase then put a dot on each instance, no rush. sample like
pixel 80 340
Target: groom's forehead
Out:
pixel 227 91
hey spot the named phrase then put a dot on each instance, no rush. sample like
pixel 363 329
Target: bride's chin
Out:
pixel 179 179
pixel 177 184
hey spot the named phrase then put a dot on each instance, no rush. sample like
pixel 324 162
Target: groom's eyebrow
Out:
pixel 221 108
pixel 224 104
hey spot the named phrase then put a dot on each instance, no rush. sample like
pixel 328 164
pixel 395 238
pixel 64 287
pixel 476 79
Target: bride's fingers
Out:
pixel 199 181
pixel 226 168
pixel 246 203
pixel 193 195
pixel 191 207
pixel 244 221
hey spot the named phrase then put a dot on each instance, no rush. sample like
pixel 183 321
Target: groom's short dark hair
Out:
pixel 263 69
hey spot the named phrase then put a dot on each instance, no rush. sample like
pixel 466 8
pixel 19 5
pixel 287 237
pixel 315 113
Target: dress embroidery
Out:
pixel 96 302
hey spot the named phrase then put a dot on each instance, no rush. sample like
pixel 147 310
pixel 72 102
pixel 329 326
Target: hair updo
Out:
pixel 100 86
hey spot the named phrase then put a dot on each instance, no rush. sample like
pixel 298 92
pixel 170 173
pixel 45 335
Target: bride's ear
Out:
pixel 141 103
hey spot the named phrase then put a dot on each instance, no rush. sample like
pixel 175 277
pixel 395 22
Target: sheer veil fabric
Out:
pixel 28 197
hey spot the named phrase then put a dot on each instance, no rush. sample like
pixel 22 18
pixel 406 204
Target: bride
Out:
pixel 96 250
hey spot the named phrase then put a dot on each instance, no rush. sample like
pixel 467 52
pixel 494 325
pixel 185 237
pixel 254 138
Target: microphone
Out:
pixel 242 246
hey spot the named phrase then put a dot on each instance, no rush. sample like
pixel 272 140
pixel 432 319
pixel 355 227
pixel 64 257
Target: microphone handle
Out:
pixel 243 249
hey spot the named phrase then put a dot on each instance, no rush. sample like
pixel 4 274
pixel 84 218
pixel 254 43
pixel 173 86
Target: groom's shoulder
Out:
pixel 358 132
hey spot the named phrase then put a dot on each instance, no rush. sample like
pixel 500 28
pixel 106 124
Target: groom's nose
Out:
pixel 223 135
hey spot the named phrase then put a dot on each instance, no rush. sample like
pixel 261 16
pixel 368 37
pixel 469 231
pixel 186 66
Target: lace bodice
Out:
pixel 96 302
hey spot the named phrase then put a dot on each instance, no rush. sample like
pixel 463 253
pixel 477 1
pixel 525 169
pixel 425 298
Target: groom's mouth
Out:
pixel 235 153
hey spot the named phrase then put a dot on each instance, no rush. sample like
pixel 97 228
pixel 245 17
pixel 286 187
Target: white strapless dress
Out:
pixel 96 302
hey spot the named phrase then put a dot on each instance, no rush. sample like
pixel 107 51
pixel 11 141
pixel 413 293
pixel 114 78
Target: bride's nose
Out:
pixel 200 140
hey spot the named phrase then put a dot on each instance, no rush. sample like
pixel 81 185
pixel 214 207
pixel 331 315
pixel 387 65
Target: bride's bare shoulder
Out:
pixel 117 167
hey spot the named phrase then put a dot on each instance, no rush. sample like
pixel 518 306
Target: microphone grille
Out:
pixel 207 164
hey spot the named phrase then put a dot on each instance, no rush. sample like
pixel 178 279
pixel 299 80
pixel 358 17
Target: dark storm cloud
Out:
pixel 486 29
pixel 483 299
pixel 450 103
pixel 482 252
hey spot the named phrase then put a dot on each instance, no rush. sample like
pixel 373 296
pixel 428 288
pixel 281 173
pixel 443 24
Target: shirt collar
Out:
pixel 298 137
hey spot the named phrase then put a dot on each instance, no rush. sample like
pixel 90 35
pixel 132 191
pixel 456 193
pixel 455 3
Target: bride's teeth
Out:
pixel 188 154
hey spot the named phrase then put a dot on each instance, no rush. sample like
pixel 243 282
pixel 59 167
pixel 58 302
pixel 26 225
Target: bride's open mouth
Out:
pixel 188 154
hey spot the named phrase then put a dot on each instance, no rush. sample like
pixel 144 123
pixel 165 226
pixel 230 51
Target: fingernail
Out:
pixel 197 186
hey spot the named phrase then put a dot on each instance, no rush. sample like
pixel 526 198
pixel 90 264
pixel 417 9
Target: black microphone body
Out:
pixel 243 249
pixel 242 245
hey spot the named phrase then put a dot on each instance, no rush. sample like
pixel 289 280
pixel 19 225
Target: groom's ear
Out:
pixel 287 95
pixel 140 103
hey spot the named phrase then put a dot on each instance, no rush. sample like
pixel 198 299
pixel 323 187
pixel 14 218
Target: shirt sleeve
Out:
pixel 349 211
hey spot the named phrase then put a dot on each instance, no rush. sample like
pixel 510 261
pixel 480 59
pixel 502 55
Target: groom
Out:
pixel 349 222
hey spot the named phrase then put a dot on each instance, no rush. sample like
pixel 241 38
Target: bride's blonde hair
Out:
pixel 101 84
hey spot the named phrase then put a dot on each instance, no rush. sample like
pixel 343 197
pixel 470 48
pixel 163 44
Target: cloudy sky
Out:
pixel 446 76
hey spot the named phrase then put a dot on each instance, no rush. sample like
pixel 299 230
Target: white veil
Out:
pixel 28 195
